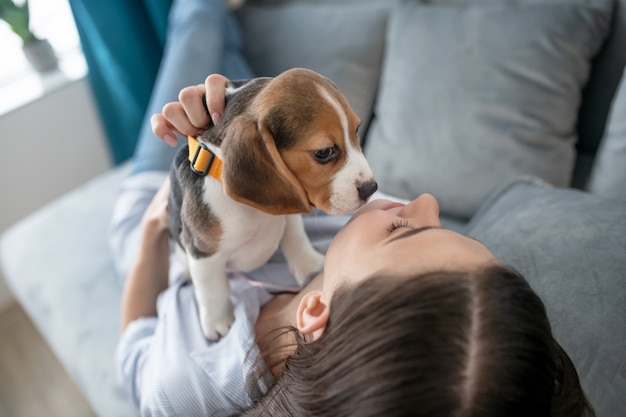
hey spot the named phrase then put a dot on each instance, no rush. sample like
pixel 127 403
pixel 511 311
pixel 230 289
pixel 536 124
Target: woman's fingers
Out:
pixel 177 117
pixel 215 88
pixel 192 100
pixel 188 116
pixel 162 129
pixel 157 210
pixel 171 121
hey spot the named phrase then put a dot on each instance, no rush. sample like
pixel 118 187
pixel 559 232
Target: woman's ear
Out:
pixel 312 314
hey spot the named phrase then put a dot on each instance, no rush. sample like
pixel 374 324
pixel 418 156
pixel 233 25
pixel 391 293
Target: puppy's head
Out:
pixel 296 146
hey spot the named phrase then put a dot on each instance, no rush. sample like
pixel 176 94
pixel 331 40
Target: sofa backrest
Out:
pixel 346 41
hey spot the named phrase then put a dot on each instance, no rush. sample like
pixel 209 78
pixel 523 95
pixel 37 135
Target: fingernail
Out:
pixel 169 139
pixel 216 117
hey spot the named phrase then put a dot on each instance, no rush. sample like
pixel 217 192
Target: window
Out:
pixel 19 83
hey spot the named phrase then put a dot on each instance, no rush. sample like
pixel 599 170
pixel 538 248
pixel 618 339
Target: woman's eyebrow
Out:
pixel 413 232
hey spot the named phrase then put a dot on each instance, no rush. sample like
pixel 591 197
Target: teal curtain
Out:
pixel 122 41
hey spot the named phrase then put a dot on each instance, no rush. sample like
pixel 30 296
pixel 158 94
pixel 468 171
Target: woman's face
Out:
pixel 399 240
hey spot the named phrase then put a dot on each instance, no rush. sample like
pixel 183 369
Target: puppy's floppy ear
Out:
pixel 254 172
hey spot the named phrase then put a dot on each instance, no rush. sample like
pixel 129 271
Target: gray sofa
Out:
pixel 459 99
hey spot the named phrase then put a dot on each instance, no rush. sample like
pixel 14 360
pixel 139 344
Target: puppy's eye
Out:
pixel 325 155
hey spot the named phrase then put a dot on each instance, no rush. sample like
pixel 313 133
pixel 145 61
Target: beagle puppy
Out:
pixel 284 145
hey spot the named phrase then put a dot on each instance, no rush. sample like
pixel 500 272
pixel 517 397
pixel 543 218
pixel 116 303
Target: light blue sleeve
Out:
pixel 171 369
pixel 132 350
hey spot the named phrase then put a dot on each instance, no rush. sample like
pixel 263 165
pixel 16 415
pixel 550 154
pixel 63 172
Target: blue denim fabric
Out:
pixel 203 38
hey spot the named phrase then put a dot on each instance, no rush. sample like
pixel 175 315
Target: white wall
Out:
pixel 47 148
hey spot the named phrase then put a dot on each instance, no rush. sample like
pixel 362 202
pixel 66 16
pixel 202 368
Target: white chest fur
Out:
pixel 249 236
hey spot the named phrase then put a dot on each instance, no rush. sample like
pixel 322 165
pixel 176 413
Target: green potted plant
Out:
pixel 38 52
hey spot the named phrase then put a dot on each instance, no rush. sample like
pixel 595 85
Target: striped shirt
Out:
pixel 170 369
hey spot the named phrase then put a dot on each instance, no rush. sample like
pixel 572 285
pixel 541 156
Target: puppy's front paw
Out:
pixel 215 326
pixel 307 264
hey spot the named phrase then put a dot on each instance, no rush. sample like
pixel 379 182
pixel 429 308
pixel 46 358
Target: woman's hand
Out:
pixel 188 116
pixel 155 221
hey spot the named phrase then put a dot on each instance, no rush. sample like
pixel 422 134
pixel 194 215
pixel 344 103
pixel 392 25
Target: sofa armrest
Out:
pixel 57 263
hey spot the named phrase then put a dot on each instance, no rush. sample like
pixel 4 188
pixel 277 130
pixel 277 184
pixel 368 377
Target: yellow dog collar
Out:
pixel 202 160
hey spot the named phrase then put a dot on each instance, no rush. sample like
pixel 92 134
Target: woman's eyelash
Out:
pixel 397 225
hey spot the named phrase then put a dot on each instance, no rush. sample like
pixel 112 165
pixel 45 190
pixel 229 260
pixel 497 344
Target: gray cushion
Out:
pixel 571 248
pixel 344 43
pixel 57 262
pixel 474 96
pixel 608 177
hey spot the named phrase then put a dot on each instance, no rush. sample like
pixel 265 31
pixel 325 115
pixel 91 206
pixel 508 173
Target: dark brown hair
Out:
pixel 440 344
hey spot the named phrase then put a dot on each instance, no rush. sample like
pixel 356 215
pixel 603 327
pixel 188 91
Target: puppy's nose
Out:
pixel 366 190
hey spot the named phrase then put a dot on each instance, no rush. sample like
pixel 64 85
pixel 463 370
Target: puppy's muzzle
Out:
pixel 367 189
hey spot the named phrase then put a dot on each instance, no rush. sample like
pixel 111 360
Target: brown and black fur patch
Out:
pixel 187 211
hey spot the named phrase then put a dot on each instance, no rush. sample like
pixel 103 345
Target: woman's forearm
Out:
pixel 150 272
pixel 148 277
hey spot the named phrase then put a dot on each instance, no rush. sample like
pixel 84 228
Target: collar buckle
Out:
pixel 199 159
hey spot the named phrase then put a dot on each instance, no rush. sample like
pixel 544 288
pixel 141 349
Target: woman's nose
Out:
pixel 424 209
